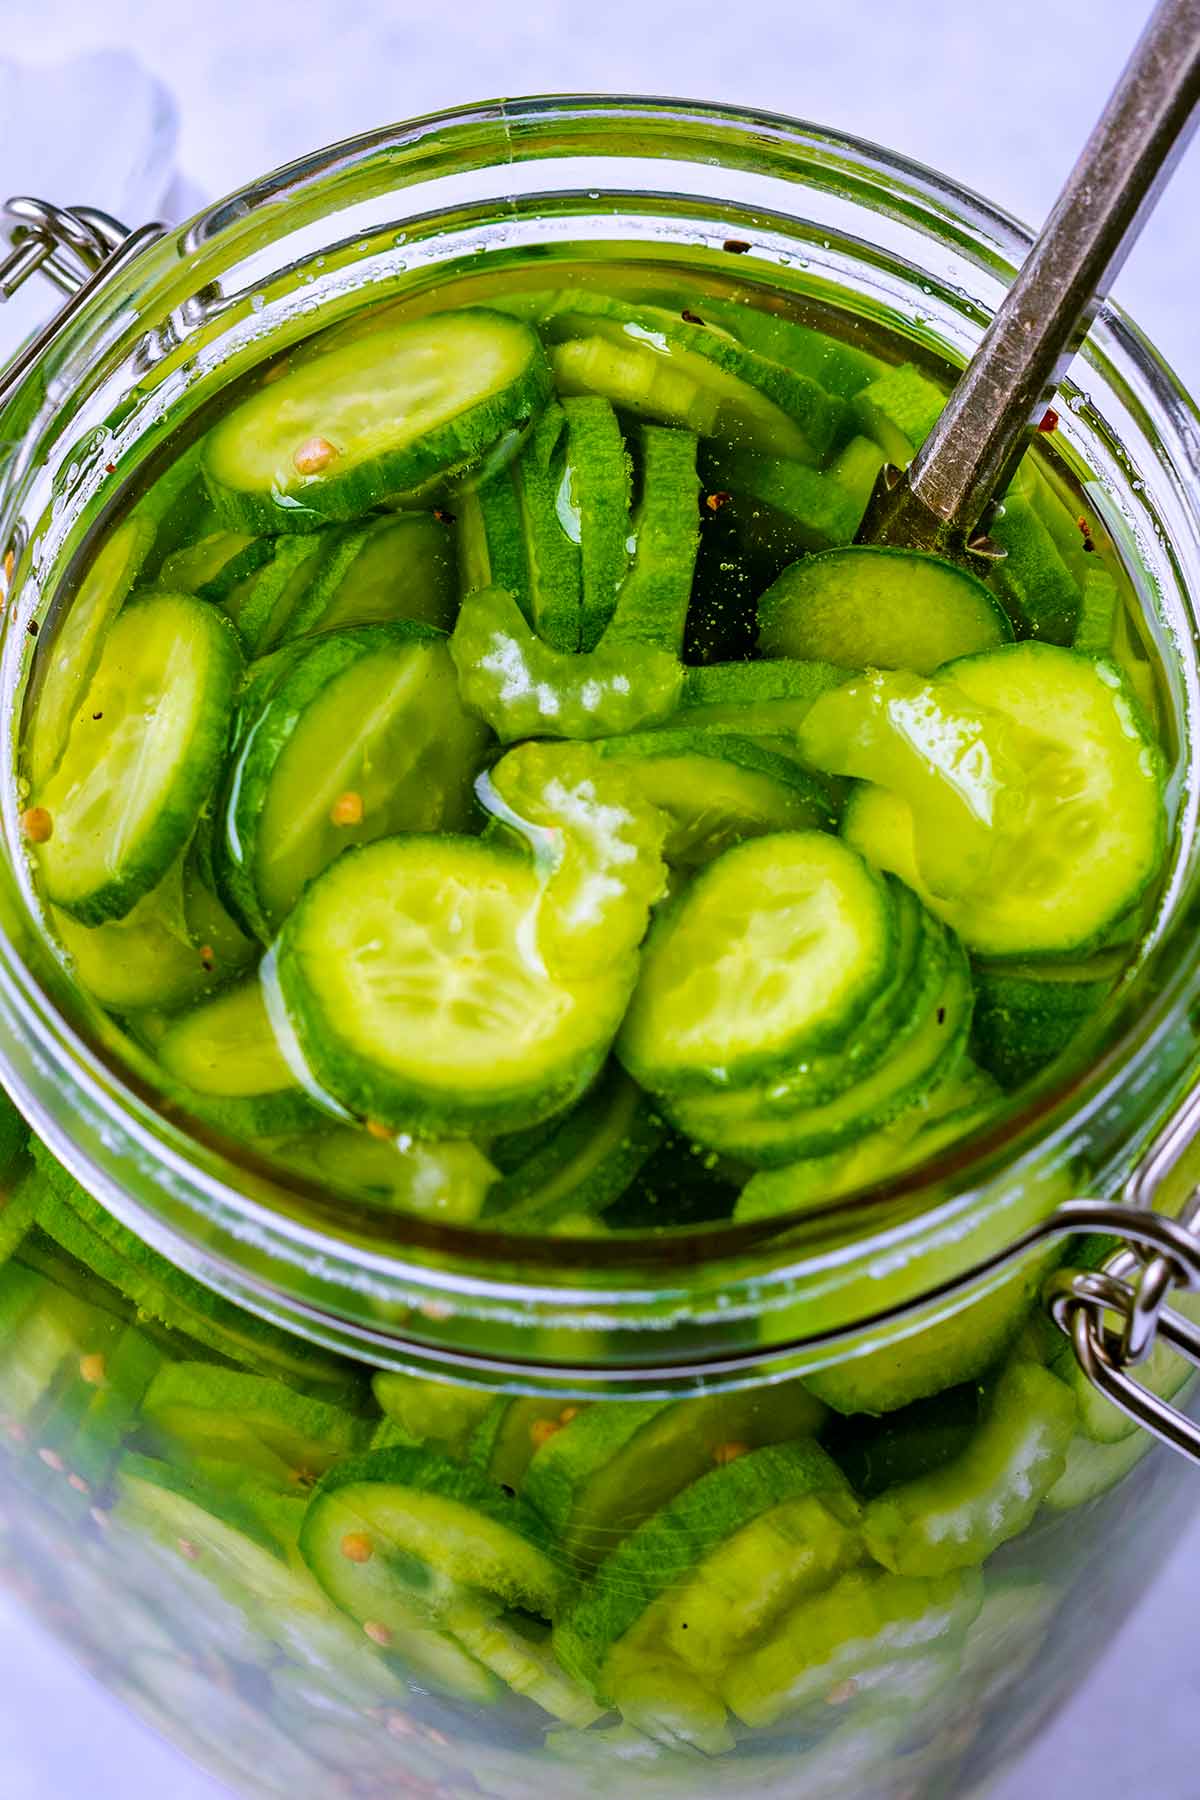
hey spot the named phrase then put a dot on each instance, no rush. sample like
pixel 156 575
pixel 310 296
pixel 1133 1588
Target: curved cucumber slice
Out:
pixel 75 648
pixel 838 367
pixel 396 568
pixel 212 566
pixel 866 607
pixel 423 1530
pixel 755 403
pixel 785 505
pixel 635 379
pixel 227 1047
pixel 347 428
pixel 1026 1017
pixel 257 1424
pixel 303 786
pixel 449 1180
pixel 899 410
pixel 1032 576
pixel 262 603
pixel 432 1412
pixel 778 946
pixel 866 1628
pixel 717 789
pixel 491 543
pixel 551 533
pixel 405 977
pixel 757 699
pixel 955 1517
pixel 669 1550
pixel 652 605
pixel 616 1464
pixel 593 505
pixel 524 687
pixel 586 1164
pixel 142 755
pixel 524 1662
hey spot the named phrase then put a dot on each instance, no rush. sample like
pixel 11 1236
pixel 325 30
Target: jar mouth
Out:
pixel 243 1197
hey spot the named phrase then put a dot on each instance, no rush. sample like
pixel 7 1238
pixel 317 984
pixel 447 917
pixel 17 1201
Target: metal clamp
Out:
pixel 79 249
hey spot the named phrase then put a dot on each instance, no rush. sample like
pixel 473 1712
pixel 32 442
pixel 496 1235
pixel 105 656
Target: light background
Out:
pixel 1000 95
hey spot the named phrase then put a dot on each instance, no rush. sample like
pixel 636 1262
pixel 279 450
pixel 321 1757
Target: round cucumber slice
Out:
pixel 406 977
pixel 227 1047
pixel 778 946
pixel 143 752
pixel 425 1531
pixel 866 607
pixel 718 789
pixel 345 429
pixel 362 737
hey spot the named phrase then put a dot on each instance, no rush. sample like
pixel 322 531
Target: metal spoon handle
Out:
pixel 972 451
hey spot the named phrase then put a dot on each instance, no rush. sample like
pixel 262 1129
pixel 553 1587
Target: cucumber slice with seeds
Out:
pixel 78 640
pixel 404 977
pixel 717 789
pixel 876 608
pixel 652 604
pixel 302 787
pixel 141 758
pixel 777 947
pixel 617 1464
pixel 392 569
pixel 351 426
pixel 593 502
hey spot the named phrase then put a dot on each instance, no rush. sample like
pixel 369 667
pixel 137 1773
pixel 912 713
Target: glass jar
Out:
pixel 188 1337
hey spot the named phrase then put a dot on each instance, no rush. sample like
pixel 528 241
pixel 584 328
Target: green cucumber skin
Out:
pixel 838 367
pixel 498 558
pixel 461 441
pixel 599 473
pixel 263 740
pixel 1033 576
pixel 1023 1023
pixel 554 561
pixel 652 605
pixel 819 513
pixel 526 1200
pixel 177 819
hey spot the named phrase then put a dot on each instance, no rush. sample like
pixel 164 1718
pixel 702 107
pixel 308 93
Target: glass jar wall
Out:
pixel 687 1509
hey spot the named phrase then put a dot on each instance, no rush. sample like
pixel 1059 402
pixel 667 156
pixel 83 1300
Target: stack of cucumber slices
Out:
pixel 484 768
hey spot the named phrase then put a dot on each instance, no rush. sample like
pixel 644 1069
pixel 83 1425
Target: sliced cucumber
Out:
pixel 1076 805
pixel 432 1412
pixel 889 1450
pixel 1099 612
pixel 652 605
pixel 1026 1017
pixel 804 508
pixel 524 1661
pixel 586 1164
pixel 449 1180
pixel 899 410
pixel 142 755
pixel 593 504
pixel 425 1530
pixel 669 1550
pixel 717 789
pixel 1094 1469
pixel 884 609
pixel 956 1516
pixel 840 368
pixel 349 427
pixel 121 1379
pixel 396 568
pixel 78 641
pixel 635 379
pixel 867 1628
pixel 856 468
pixel 525 688
pixel 756 699
pixel 778 946
pixel 553 562
pixel 18 1213
pixel 197 1411
pixel 303 787
pixel 405 978
pixel 227 1047
pixel 213 565
pixel 491 541
pixel 756 403
pixel 1032 576
pixel 617 1464
pixel 262 604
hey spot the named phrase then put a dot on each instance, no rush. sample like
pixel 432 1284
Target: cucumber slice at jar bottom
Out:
pixel 143 753
pixel 739 1124
pixel 616 1464
pixel 399 1025
pixel 778 946
pixel 77 642
pixel 669 1550
pixel 718 789
pixel 393 569
pixel 652 604
pixel 755 403
pixel 302 787
pixel 1026 1017
pixel 586 1164
pixel 449 1180
pixel 899 410
pixel 346 428
pixel 593 503
pixel 867 1628
pixel 888 609
pixel 1098 780
pixel 1034 580
pixel 196 1410
pixel 397 1536
pixel 956 1516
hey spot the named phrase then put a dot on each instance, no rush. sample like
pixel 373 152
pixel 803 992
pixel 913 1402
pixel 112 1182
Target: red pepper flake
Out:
pixel 691 318
pixel 715 502
pixel 376 1129
pixel 1048 421
pixel 208 961
pixel 110 468
pixel 37 827
pixel 735 246
pixel 1086 533
pixel 443 517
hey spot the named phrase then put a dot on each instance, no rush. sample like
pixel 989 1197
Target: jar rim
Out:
pixel 628 1259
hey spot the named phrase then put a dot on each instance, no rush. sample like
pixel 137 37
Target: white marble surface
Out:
pixel 1000 95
